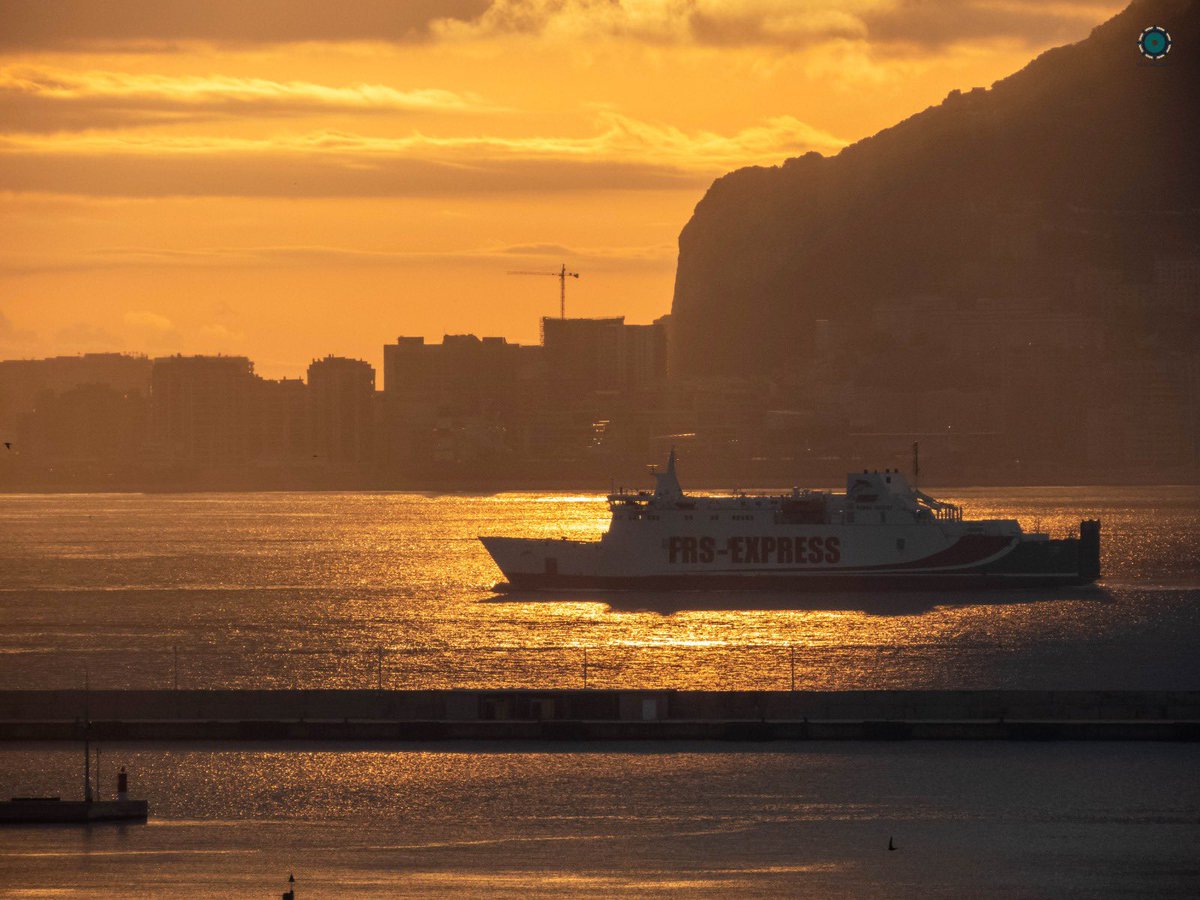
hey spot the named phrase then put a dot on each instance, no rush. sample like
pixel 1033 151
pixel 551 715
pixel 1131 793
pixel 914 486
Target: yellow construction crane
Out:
pixel 562 275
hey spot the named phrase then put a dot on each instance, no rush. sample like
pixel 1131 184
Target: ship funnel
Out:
pixel 666 486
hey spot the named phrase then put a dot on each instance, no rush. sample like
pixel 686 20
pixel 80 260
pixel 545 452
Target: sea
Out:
pixel 312 590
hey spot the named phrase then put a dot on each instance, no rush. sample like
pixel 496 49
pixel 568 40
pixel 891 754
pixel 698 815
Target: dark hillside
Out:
pixel 1082 167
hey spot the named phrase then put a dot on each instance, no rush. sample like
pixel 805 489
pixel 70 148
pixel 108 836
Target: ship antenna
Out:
pixel 916 462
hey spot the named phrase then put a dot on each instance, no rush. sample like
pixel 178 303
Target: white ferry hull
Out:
pixel 880 534
pixel 970 561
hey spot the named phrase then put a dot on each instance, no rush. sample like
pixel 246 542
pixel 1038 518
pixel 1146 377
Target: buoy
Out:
pixel 290 893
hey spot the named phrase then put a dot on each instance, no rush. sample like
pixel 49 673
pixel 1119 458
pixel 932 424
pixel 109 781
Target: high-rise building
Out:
pixel 582 356
pixel 410 366
pixel 280 421
pixel 341 402
pixel 643 355
pixel 605 386
pixel 201 410
pixel 586 355
pixel 462 400
pixel 22 380
pixel 463 375
pixel 83 427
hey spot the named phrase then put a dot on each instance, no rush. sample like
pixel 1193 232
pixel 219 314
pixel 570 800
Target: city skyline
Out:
pixel 597 398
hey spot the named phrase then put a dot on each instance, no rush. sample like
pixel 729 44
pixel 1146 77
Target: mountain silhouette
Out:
pixel 1083 163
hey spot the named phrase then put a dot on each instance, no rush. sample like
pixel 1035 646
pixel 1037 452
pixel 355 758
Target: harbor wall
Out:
pixel 585 715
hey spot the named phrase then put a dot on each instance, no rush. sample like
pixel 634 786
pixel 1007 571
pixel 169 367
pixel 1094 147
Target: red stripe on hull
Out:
pixel 817 581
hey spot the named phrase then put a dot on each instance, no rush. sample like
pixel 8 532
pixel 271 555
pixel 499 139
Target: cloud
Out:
pixel 130 24
pixel 161 24
pixel 656 256
pixel 152 330
pixel 144 320
pixel 791 24
pixel 220 334
pixel 287 174
pixel 15 340
pixel 624 153
pixel 651 256
pixel 38 99
pixel 936 25
pixel 537 250
pixel 87 336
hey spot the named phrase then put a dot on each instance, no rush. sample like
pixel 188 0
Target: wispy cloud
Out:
pixel 148 321
pixel 86 24
pixel 782 23
pixel 82 337
pixel 655 256
pixel 41 99
pixel 623 153
pixel 162 24
pixel 14 339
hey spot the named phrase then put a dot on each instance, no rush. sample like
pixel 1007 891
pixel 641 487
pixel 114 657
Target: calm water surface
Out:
pixel 970 820
pixel 352 589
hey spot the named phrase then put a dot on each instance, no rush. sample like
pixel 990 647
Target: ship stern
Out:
pixel 1089 550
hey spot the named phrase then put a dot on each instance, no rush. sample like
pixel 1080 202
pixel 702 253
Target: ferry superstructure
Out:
pixel 881 533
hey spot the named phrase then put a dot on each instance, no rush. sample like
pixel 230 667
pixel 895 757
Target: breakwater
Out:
pixel 599 715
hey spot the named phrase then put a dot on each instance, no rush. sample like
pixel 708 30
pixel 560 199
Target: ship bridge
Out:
pixel 890 488
pixel 886 494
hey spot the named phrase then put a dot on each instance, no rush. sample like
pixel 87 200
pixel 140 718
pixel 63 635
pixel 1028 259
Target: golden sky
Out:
pixel 290 178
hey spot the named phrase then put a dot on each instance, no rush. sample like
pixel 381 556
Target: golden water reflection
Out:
pixel 596 820
pixel 394 590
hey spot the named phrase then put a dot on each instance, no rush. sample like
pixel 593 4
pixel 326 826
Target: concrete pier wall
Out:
pixel 600 715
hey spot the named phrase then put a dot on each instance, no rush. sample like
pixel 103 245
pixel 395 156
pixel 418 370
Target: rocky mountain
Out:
pixel 1075 176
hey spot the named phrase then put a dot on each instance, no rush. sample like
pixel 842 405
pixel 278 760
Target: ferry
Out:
pixel 881 533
